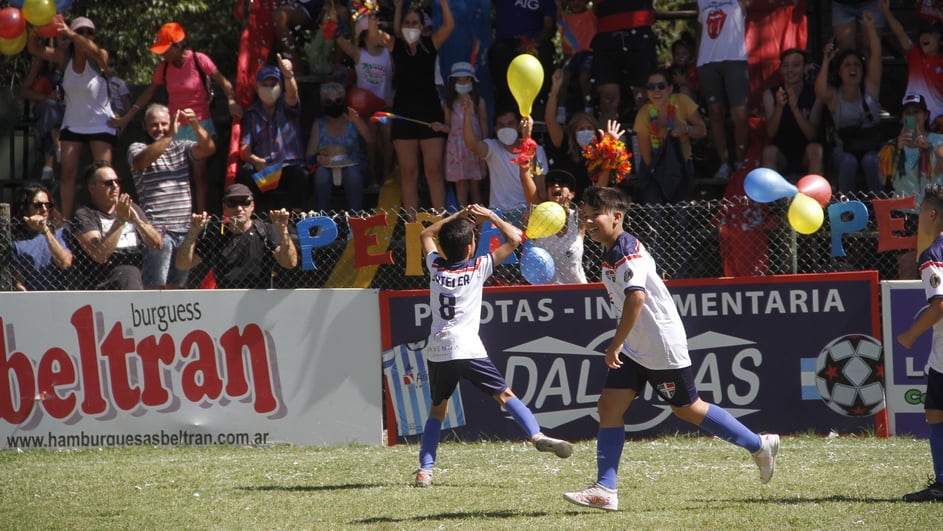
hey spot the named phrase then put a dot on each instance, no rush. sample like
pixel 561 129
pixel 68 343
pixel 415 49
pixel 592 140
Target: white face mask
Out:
pixel 411 35
pixel 507 135
pixel 463 88
pixel 269 95
pixel 585 137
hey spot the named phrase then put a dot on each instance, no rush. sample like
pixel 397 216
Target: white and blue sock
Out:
pixel 722 424
pixel 430 443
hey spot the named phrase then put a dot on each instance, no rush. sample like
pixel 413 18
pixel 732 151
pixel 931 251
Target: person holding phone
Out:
pixel 913 160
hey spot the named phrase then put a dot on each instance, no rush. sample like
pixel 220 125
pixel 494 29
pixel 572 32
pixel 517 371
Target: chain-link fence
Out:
pixel 726 237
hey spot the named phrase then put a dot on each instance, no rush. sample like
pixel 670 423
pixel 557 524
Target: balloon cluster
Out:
pixel 40 14
pixel 809 196
pixel 547 219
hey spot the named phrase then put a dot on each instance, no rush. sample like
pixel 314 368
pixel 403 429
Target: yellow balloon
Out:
pixel 525 77
pixel 39 12
pixel 13 46
pixel 805 214
pixel 547 219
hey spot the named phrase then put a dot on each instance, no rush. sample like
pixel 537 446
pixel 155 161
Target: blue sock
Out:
pixel 430 443
pixel 722 424
pixel 609 443
pixel 936 450
pixel 523 416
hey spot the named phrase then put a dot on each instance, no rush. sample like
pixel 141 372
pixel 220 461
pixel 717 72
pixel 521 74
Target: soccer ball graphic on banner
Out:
pixel 849 375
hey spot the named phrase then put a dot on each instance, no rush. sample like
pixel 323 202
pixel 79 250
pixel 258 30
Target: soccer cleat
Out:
pixel 596 496
pixel 423 478
pixel 933 492
pixel 765 457
pixel 561 448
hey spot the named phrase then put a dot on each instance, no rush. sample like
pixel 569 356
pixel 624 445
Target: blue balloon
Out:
pixel 63 5
pixel 537 265
pixel 764 185
pixel 17 3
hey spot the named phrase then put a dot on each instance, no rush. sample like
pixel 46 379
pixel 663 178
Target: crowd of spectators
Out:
pixel 462 129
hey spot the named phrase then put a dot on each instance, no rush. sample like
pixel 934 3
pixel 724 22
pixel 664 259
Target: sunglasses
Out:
pixel 86 32
pixel 42 204
pixel 110 183
pixel 335 101
pixel 661 85
pixel 233 203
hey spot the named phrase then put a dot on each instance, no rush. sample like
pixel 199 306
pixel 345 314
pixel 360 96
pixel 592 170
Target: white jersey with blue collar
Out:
pixel 455 290
pixel 658 340
pixel 931 275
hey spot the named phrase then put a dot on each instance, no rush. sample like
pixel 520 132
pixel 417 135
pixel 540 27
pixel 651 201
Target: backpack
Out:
pixel 205 80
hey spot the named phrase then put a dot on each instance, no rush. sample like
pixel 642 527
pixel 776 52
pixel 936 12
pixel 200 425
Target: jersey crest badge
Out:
pixel 667 389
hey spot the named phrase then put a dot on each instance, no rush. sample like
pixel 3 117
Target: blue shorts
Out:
pixel 580 62
pixel 844 13
pixel 159 269
pixel 676 386
pixel 481 372
pixel 934 390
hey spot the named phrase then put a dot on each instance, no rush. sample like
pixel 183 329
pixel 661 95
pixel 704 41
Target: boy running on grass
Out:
pixel 454 349
pixel 930 227
pixel 650 346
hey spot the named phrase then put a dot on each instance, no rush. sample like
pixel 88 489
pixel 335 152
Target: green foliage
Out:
pixel 679 482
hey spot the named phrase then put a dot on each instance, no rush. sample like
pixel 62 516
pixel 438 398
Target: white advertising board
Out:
pixel 182 367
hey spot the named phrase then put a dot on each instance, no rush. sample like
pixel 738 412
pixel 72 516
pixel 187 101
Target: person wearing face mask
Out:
pixel 462 166
pixel 416 96
pixel 565 146
pixel 506 190
pixel 271 134
pixel 340 129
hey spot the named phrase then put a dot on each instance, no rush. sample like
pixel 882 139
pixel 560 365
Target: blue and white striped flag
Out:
pixel 407 378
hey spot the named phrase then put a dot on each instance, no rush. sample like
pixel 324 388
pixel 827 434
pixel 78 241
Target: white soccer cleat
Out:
pixel 423 478
pixel 596 496
pixel 561 448
pixel 765 457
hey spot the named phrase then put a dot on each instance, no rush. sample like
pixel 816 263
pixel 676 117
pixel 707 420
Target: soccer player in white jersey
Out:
pixel 454 349
pixel 930 230
pixel 649 346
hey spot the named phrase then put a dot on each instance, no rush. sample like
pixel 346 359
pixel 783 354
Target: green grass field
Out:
pixel 667 483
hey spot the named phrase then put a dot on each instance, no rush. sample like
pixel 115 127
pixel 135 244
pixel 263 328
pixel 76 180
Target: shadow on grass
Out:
pixel 840 498
pixel 450 516
pixel 308 488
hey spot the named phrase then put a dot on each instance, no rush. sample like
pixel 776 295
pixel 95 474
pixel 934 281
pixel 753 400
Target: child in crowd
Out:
pixel 930 228
pixel 577 25
pixel 463 166
pixel 649 346
pixel 566 246
pixel 455 350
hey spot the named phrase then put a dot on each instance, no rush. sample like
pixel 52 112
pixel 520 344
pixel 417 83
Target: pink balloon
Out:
pixel 12 23
pixel 816 187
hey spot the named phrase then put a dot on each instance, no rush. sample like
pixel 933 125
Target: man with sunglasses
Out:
pixel 110 231
pixel 161 171
pixel 271 135
pixel 241 251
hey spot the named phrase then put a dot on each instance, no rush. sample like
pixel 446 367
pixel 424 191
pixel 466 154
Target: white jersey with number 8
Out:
pixel 455 301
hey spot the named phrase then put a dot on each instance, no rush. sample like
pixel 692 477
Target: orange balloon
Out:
pixel 364 102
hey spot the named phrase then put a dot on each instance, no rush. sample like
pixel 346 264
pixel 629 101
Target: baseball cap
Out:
pixel 915 99
pixel 267 72
pixel 81 22
pixel 463 68
pixel 236 190
pixel 561 177
pixel 168 35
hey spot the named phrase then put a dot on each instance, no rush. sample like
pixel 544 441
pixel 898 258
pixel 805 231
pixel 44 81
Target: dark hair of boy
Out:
pixel 606 199
pixel 454 238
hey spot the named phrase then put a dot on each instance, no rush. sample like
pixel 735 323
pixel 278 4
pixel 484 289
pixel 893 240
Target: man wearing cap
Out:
pixel 186 75
pixel 241 251
pixel 161 171
pixel 271 135
pixel 111 231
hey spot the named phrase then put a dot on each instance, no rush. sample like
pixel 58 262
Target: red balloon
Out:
pixel 52 29
pixel 364 102
pixel 816 187
pixel 12 23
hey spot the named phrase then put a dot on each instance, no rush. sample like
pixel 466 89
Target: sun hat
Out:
pixel 81 22
pixel 463 68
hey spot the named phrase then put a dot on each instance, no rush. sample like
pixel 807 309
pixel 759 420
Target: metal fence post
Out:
pixel 6 249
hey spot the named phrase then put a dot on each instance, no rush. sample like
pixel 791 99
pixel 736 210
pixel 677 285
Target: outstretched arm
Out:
pixel 512 236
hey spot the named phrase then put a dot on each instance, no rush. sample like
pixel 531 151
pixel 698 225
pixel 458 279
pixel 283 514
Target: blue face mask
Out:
pixel 463 88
